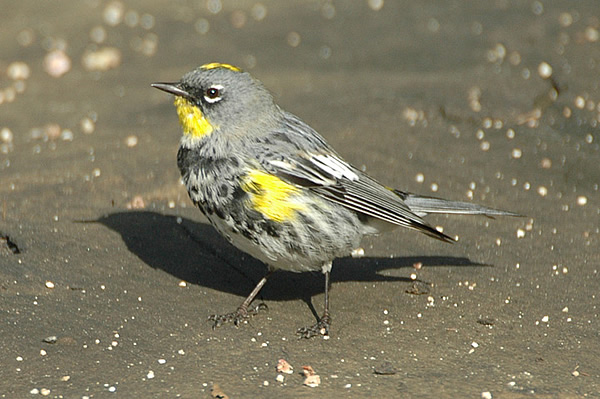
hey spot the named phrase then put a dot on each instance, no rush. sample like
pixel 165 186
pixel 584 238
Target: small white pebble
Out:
pixel 543 191
pixel 43 353
pixel 581 200
pixel 516 153
pixel 49 284
pixel 565 309
pixel 375 5
pixel 520 233
pixel 545 319
pixel 358 253
pixel 131 141
pixel 87 125
pixel 592 34
pixel 348 386
pixel 280 378
pixel 18 71
pixel 150 375
pixel 161 361
pixel 181 352
pixel 420 178
pixel 545 70
pixel 45 391
pixel 34 391
pixel 265 383
pixel 474 344
pixel 6 135
pixel 486 395
pixel 182 283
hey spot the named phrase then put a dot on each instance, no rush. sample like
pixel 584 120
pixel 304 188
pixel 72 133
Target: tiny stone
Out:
pixel 545 70
pixel 50 340
pixel 385 368
pixel 543 191
pixel 6 135
pixel 358 253
pixel 87 125
pixel 131 141
pixel 18 71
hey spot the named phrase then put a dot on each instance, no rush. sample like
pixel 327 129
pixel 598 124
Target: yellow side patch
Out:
pixel 191 118
pixel 214 65
pixel 271 196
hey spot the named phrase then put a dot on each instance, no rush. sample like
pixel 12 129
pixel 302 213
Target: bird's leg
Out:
pixel 243 312
pixel 322 325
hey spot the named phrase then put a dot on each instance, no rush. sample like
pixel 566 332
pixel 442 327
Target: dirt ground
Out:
pixel 108 273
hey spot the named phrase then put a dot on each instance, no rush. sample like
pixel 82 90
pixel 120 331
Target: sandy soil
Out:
pixel 108 273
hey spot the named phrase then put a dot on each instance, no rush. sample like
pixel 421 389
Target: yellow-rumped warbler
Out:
pixel 275 189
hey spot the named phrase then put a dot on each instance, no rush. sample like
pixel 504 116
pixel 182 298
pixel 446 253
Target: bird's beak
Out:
pixel 172 88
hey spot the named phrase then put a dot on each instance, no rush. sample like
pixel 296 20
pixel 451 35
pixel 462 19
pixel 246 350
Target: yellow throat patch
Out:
pixel 191 119
pixel 271 196
pixel 214 65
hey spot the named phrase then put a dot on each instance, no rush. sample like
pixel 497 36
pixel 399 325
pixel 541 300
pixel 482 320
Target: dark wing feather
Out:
pixel 312 164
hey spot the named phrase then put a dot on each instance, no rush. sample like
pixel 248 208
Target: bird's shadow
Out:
pixel 196 253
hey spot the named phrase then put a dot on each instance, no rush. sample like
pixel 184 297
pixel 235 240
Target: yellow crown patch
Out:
pixel 214 65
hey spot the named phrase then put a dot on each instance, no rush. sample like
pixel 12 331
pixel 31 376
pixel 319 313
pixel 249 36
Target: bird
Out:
pixel 274 188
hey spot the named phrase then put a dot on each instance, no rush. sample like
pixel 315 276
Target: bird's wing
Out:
pixel 309 162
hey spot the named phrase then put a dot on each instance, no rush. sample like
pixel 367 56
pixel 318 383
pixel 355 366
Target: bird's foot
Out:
pixel 320 328
pixel 241 315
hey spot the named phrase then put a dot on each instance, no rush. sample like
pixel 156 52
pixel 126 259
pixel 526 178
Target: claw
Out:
pixel 241 315
pixel 320 328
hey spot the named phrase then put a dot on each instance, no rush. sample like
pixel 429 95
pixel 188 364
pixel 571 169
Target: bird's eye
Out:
pixel 213 94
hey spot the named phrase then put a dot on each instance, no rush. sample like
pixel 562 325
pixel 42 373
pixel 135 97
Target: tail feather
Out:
pixel 422 205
